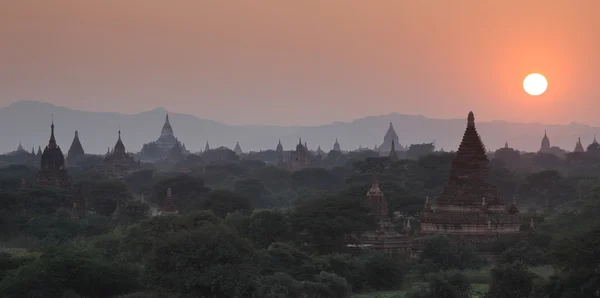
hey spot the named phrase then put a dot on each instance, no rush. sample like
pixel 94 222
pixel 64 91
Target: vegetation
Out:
pixel 247 229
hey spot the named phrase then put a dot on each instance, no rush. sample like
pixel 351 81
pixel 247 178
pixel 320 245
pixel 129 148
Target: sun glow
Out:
pixel 535 84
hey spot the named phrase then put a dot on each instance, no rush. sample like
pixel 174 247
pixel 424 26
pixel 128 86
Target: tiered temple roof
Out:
pixel 75 151
pixel 52 172
pixel 118 163
pixel 384 238
pixel 469 208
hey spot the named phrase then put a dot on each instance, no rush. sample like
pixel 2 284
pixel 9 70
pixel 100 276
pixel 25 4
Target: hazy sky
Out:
pixel 305 61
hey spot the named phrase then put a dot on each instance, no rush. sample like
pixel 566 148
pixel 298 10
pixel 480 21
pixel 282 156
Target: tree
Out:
pixel 69 268
pixel 189 192
pixel 328 224
pixel 445 255
pixel 511 281
pixel 223 202
pixel 444 286
pixel 210 261
pixel 267 226
pixel 417 151
pixel 254 190
pixel 105 194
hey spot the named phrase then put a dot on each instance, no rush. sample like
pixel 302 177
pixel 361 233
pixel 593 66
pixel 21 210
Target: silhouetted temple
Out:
pixel 162 147
pixel 299 159
pixel 238 149
pixel 545 147
pixel 117 163
pixel 393 155
pixel 390 138
pixel 336 146
pixel 470 210
pixel 75 153
pixel 594 147
pixel 578 146
pixel 52 166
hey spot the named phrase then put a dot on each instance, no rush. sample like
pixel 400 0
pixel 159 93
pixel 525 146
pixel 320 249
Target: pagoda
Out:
pixel 162 147
pixel 336 146
pixel 300 158
pixel 390 138
pixel 52 166
pixel 578 146
pixel 384 238
pixel 470 210
pixel 117 163
pixel 75 153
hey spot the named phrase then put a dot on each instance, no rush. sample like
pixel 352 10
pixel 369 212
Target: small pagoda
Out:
pixel 169 205
pixel 52 166
pixel 470 210
pixel 385 238
pixel 117 163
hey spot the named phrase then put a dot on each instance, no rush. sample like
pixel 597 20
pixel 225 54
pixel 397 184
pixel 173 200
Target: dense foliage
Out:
pixel 248 229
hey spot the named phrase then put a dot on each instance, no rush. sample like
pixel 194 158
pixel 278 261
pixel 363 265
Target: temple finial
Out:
pixel 471 119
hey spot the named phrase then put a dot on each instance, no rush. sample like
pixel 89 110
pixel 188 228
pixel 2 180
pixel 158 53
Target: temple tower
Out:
pixel 238 149
pixel 75 152
pixel 52 166
pixel 389 138
pixel 470 209
pixel 336 146
pixel 299 159
pixel 545 147
pixel 578 146
pixel 207 147
pixel 393 155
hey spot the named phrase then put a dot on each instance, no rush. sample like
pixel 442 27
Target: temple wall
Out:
pixel 430 228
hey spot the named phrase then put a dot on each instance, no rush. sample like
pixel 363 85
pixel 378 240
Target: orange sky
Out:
pixel 305 62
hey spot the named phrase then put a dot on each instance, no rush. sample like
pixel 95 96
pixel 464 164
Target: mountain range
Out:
pixel 28 123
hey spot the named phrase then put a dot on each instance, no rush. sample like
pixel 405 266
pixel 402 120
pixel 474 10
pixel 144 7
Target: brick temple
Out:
pixel 470 210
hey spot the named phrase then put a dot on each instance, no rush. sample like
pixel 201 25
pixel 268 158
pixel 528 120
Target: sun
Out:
pixel 535 84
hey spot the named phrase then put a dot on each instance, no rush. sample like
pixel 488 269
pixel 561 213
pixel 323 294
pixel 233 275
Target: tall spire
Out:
pixel 578 146
pixel 393 155
pixel 167 130
pixel 52 139
pixel 207 147
pixel 506 144
pixel 545 143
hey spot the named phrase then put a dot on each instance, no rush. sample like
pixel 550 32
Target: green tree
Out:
pixel 267 226
pixel 69 268
pixel 511 281
pixel 223 202
pixel 105 194
pixel 328 224
pixel 189 192
pixel 210 261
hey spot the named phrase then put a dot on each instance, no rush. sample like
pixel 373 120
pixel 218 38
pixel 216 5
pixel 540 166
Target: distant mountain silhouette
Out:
pixel 28 122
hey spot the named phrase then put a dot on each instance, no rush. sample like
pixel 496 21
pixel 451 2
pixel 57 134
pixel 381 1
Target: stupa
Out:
pixel 470 210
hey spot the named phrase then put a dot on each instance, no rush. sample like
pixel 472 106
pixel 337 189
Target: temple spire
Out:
pixel 506 144
pixel 52 139
pixel 393 155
